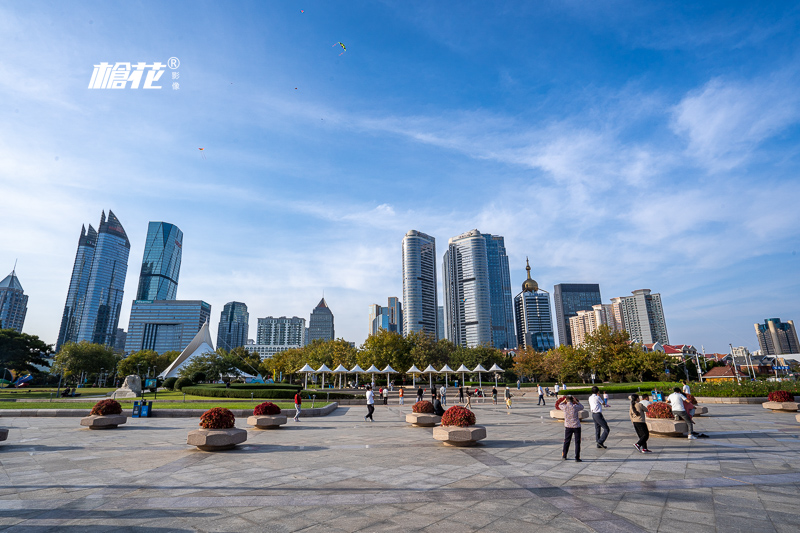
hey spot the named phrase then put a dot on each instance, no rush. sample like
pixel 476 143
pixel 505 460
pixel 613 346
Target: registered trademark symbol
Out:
pixel 173 62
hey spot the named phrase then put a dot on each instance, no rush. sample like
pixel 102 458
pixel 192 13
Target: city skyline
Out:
pixel 630 145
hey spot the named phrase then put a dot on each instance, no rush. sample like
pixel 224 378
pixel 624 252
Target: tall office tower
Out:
pixel 420 295
pixel 119 343
pixel 477 292
pixel 643 317
pixel 587 322
pixel 389 318
pixel 96 289
pixel 533 319
pixel 569 299
pixel 13 303
pixel 274 335
pixel 320 325
pixel 440 323
pixel 776 337
pixel 165 325
pixel 161 264
pixel 233 326
pixel 78 284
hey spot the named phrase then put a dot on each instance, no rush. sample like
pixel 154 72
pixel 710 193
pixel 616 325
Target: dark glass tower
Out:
pixel 569 299
pixel 320 326
pixel 161 264
pixel 503 334
pixel 78 285
pixel 13 303
pixel 534 322
pixel 233 326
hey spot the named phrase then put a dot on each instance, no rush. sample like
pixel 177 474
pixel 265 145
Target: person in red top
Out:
pixel 298 401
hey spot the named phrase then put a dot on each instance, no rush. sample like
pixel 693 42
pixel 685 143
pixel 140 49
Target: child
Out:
pixel 401 395
pixel 605 399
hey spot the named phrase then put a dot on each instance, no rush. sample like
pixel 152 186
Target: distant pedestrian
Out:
pixel 508 399
pixel 494 395
pixel 563 386
pixel 605 399
pixel 572 426
pixel 638 414
pixel 676 401
pixel 400 392
pixel 600 424
pixel 385 395
pixel 540 391
pixel 420 392
pixel 433 393
pixel 461 393
pixel 370 404
pixel 468 405
pixel 438 410
pixel 298 401
pixel 443 394
pixel 555 388
pixel 519 384
pixel 686 390
pixel 645 400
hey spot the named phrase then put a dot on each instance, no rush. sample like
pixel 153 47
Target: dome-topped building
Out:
pixel 533 319
pixel 529 285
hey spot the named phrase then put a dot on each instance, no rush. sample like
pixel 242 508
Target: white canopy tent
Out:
pixel 446 370
pixel 306 370
pixel 357 370
pixel 322 370
pixel 414 371
pixel 496 369
pixel 341 370
pixel 462 369
pixel 430 371
pixel 480 369
pixel 372 370
pixel 388 370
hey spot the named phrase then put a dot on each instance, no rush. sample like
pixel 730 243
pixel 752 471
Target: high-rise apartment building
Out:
pixel 569 299
pixel 94 298
pixel 587 322
pixel 320 324
pixel 477 292
pixel 389 318
pixel 233 326
pixel 440 323
pixel 13 303
pixel 643 317
pixel 274 335
pixel 534 322
pixel 161 264
pixel 776 337
pixel 420 296
pixel 165 325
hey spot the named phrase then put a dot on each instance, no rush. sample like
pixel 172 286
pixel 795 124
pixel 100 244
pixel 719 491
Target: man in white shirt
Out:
pixel 686 390
pixel 541 394
pixel 596 406
pixel 556 387
pixel 676 400
pixel 645 400
pixel 370 404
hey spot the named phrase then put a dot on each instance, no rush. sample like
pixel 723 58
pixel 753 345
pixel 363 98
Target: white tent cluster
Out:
pixel 342 371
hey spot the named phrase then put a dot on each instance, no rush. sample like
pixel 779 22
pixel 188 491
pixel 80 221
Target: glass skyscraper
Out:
pixel 389 318
pixel 503 333
pixel 533 319
pixel 13 303
pixel 233 326
pixel 320 325
pixel 94 299
pixel 569 299
pixel 420 294
pixel 161 264
pixel 165 325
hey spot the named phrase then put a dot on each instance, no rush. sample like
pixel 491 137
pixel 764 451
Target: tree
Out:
pixel 20 352
pixel 75 358
pixel 529 363
pixel 609 350
pixel 385 348
pixel 139 362
pixel 214 365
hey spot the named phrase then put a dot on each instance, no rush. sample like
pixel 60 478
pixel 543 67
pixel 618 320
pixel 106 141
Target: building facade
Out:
pixel 281 331
pixel 389 318
pixel 440 323
pixel 587 322
pixel 569 299
pixel 776 337
pixel 643 317
pixel 165 325
pixel 320 324
pixel 13 303
pixel 503 328
pixel 534 322
pixel 420 295
pixel 161 264
pixel 94 299
pixel 233 326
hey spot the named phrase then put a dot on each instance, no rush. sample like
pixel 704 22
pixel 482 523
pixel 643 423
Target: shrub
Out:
pixel 692 399
pixel 217 418
pixel 107 407
pixel 266 408
pixel 781 396
pixel 561 399
pixel 183 382
pixel 423 406
pixel 198 377
pixel 169 383
pixel 458 416
pixel 275 394
pixel 659 410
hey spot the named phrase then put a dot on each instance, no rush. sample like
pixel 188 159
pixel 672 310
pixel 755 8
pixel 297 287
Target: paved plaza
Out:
pixel 338 473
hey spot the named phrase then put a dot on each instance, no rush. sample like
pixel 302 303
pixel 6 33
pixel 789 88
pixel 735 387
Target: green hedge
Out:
pixel 743 390
pixel 249 386
pixel 647 386
pixel 268 393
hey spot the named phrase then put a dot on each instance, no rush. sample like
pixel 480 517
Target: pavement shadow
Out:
pixel 38 448
pixel 265 448
pixel 75 514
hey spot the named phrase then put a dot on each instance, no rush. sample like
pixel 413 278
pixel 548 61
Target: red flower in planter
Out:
pixel 266 408
pixel 458 416
pixel 423 406
pixel 781 396
pixel 659 410
pixel 561 399
pixel 217 418
pixel 692 399
pixel 107 407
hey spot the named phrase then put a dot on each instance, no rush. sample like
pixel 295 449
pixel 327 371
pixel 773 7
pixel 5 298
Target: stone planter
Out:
pixel 458 436
pixel 3 433
pixel 423 419
pixel 103 421
pixel 212 440
pixel 700 411
pixel 796 417
pixel 785 407
pixel 667 427
pixel 558 414
pixel 267 421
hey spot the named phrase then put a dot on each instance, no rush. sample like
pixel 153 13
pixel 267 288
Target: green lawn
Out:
pixel 94 394
pixel 169 405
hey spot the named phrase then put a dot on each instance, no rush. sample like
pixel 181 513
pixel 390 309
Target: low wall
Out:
pixel 158 413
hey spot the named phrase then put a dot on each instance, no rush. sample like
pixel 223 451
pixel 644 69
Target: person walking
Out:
pixel 600 424
pixel 420 393
pixel 605 399
pixel 508 400
pixel 433 393
pixel 468 405
pixel 638 414
pixel 443 394
pixel 540 391
pixel 385 396
pixel 572 427
pixel 686 390
pixel 370 404
pixel 461 393
pixel 519 384
pixel 555 387
pixel 298 401
pixel 676 400
pixel 494 395
pixel 400 392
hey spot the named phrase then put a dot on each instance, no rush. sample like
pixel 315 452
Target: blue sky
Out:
pixel 635 145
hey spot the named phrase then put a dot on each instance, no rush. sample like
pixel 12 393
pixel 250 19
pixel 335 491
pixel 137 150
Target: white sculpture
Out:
pixel 131 388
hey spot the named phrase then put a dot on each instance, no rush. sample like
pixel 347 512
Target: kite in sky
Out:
pixel 342 45
pixel 202 153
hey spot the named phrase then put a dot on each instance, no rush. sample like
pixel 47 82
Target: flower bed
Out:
pixel 423 406
pixel 218 431
pixel 458 416
pixel 659 410
pixel 561 399
pixel 217 418
pixel 106 414
pixel 266 408
pixel 781 396
pixel 106 407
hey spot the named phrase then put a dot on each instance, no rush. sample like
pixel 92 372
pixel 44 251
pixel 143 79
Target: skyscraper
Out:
pixel 165 325
pixel 587 322
pixel 320 325
pixel 776 337
pixel 13 303
pixel 569 299
pixel 440 323
pixel 643 317
pixel 533 319
pixel 233 326
pixel 94 299
pixel 389 318
pixel 477 292
pixel 161 264
pixel 275 335
pixel 420 296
